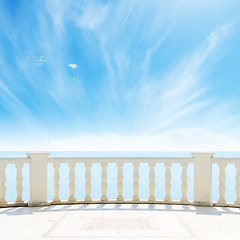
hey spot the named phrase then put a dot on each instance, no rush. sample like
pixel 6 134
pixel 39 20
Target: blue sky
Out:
pixel 120 75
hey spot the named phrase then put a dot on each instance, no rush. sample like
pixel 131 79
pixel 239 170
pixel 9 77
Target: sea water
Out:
pixel 127 178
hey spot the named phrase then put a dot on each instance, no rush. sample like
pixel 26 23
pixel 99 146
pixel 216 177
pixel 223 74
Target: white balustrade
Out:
pixel 88 177
pixel 38 163
pixel 135 182
pixel 237 201
pixel 56 186
pixel 104 197
pixel 2 183
pixel 152 197
pixel 19 180
pixel 120 182
pixel 168 182
pixel 72 197
pixel 184 186
pixel 222 187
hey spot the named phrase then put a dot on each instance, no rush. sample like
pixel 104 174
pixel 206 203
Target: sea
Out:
pixel 127 176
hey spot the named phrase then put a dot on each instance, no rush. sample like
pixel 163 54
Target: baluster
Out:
pixel 184 177
pixel 56 186
pixel 168 182
pixel 222 187
pixel 104 182
pixel 237 201
pixel 135 182
pixel 72 182
pixel 88 186
pixel 2 183
pixel 152 182
pixel 19 180
pixel 120 181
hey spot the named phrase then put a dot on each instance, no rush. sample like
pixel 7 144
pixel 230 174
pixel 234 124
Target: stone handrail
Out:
pixel 38 163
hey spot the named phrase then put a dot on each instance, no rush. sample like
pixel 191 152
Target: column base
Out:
pixel 136 198
pixel 88 199
pixel 104 199
pixel 151 199
pixel 120 198
pixel 38 204
pixel 201 204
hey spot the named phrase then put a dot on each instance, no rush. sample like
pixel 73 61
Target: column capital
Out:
pixel 202 155
pixel 38 155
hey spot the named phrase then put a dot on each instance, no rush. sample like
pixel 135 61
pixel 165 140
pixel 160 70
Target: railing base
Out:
pixel 124 202
pixel 13 205
pixel 227 205
pixel 119 203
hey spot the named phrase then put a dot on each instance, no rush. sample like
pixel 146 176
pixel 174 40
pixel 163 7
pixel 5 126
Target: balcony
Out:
pixel 104 218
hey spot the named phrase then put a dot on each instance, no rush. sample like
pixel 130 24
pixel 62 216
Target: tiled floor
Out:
pixel 124 221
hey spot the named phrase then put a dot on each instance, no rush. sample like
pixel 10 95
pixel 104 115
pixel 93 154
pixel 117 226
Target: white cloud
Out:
pixel 193 139
pixel 188 139
pixel 73 65
pixel 41 60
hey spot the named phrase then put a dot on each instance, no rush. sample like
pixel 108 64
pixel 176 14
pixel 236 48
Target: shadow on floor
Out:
pixel 217 211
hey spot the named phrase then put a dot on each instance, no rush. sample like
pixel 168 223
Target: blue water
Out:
pixel 112 176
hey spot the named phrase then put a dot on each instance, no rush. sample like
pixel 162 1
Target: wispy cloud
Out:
pixel 57 9
pixel 178 92
pixel 9 93
pixel 14 105
pixel 131 62
pixel 166 97
pixel 84 14
pixel 189 73
pixel 128 61
pixel 92 15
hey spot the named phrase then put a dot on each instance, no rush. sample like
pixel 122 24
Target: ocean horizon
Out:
pixel 112 176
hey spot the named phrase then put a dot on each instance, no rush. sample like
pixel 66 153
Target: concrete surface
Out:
pixel 116 221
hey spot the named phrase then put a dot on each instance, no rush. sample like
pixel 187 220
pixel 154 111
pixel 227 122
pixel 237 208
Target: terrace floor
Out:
pixel 119 221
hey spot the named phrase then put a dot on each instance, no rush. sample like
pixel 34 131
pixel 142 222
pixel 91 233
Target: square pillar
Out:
pixel 38 179
pixel 202 179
